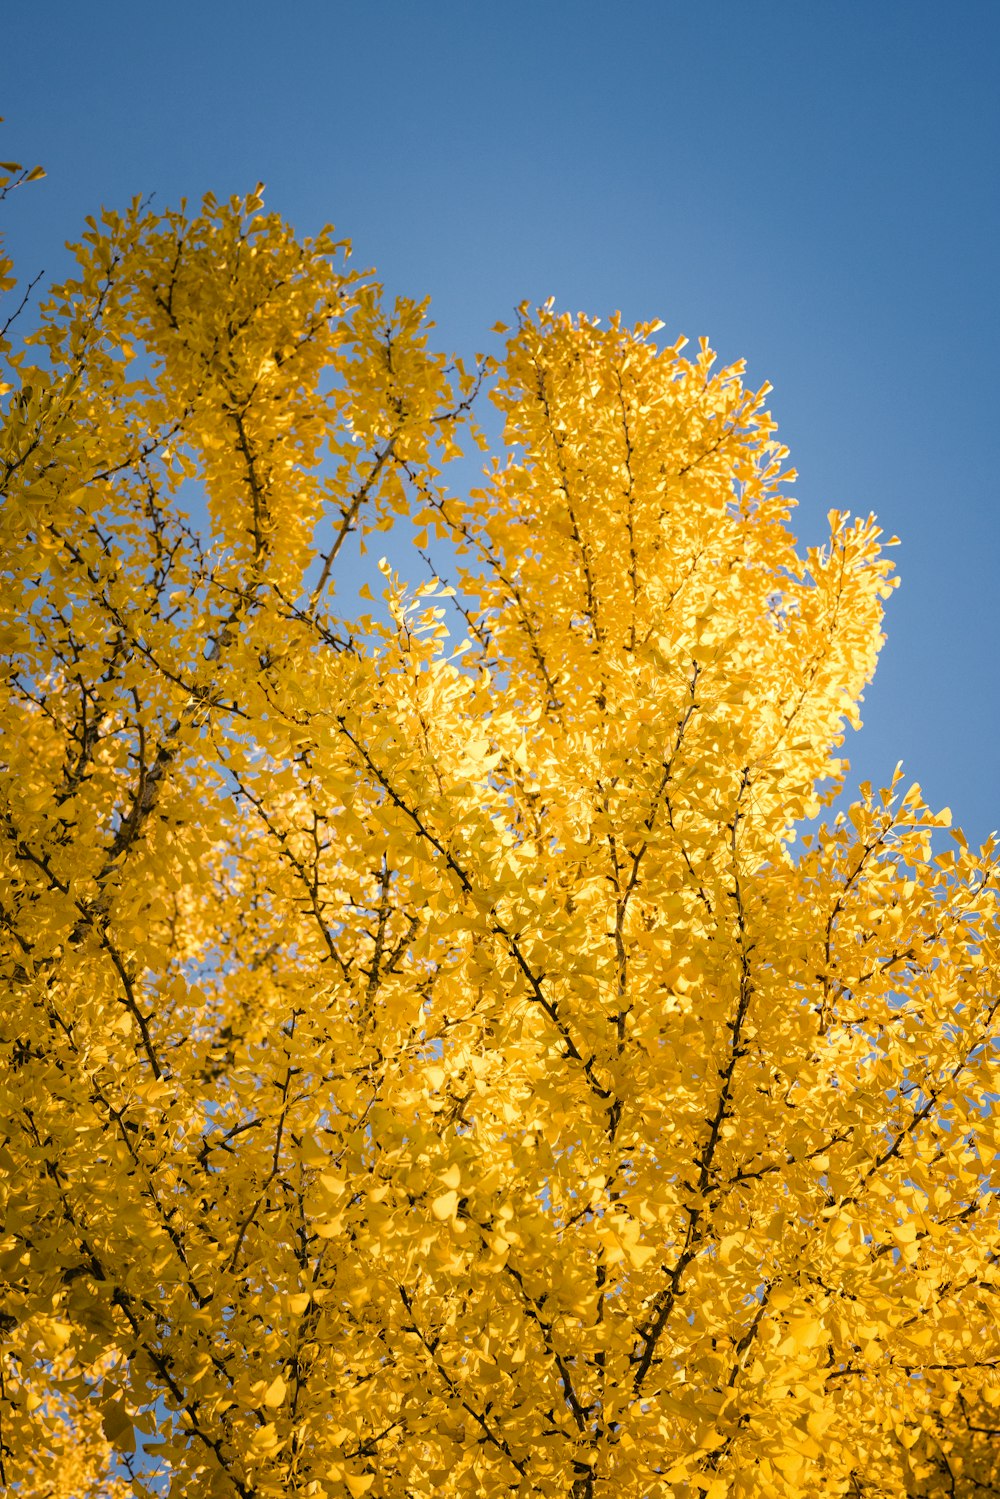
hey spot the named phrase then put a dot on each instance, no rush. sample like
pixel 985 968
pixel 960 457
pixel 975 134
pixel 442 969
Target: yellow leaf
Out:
pixel 118 1427
pixel 444 1206
pixel 275 1392
pixel 729 1247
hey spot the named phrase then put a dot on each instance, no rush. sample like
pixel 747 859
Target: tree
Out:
pixel 434 1068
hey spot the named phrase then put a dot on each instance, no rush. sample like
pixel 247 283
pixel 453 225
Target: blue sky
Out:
pixel 811 185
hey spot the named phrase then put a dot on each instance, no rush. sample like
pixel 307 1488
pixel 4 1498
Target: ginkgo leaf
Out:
pixel 444 1206
pixel 275 1392
pixel 118 1425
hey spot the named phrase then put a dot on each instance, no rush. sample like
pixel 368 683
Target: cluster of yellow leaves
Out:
pixel 435 1071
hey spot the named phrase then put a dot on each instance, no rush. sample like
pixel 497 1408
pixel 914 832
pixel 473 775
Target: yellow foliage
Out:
pixel 434 1067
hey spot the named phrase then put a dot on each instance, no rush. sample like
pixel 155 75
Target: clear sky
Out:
pixel 811 185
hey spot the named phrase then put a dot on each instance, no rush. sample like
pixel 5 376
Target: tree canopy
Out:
pixel 434 1060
